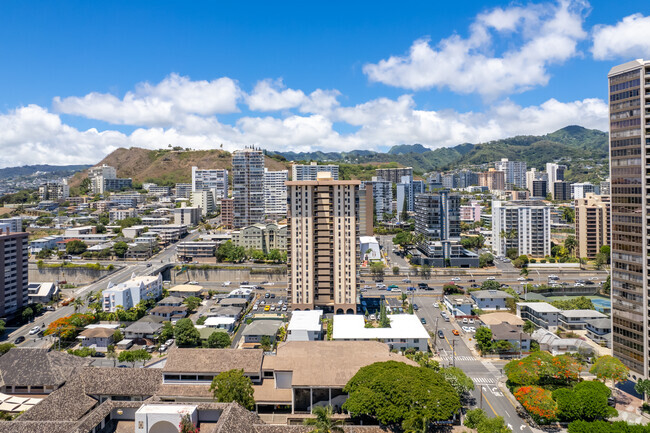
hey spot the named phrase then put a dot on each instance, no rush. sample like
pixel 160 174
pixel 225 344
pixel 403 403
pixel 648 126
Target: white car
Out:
pixel 34 330
pixel 593 278
pixel 169 342
pixel 521 279
pixel 455 279
pixel 465 320
pixel 472 329
pixel 406 280
pixel 471 321
pixel 490 278
pixel 255 308
pixel 226 283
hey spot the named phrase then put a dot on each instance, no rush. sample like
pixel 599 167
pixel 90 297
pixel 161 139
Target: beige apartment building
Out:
pixel 323 238
pixel 263 237
pixel 592 224
pixel 493 179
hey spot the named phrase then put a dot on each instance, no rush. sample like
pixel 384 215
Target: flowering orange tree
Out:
pixel 538 402
pixel 541 368
pixel 68 327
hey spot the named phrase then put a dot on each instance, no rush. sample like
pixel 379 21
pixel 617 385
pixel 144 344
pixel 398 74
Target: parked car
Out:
pixel 169 342
pixel 267 295
pixel 415 307
pixel 103 355
pixel 267 308
pixel 470 321
pixel 255 307
pixel 465 320
pixel 423 321
pixel 272 295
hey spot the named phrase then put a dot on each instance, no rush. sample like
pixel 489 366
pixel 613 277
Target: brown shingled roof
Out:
pixel 97 333
pixel 213 360
pixel 38 367
pixel 120 381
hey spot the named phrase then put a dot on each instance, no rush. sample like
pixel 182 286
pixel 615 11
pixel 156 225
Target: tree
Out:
pixel 192 302
pixel 2 326
pixel 377 269
pixel 425 271
pixel 233 386
pixel 607 251
pixel 404 216
pixel 458 380
pixel 570 243
pixel 111 354
pixel 512 253
pixel 186 334
pixel 542 368
pixel 601 260
pixel 265 343
pixel 134 356
pixel 524 271
pixel 490 285
pixel 395 270
pixel 167 332
pixel 118 336
pixel 607 286
pixel 186 425
pixel 643 387
pixel 219 340
pixel 608 367
pixel 27 314
pixel 451 288
pixel 569 215
pixel 483 339
pixel 579 303
pixel 120 248
pixel 6 347
pixel 529 327
pixel 538 402
pixel 474 417
pixel 323 423
pixel 403 238
pixel 485 259
pixel 75 247
pixel 78 303
pixel 493 425
pixel 586 401
pixel 395 394
pixel 384 322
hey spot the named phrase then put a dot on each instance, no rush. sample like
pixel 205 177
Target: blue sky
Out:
pixel 80 79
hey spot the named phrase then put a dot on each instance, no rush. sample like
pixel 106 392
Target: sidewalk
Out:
pixel 628 408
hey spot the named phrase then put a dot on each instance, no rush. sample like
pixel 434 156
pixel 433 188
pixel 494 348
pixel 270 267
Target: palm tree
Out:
pixel 77 304
pixel 524 271
pixel 323 423
pixel 529 327
pixel 570 244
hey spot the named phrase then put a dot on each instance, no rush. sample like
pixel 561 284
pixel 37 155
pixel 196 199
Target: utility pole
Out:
pixel 453 351
pixel 435 334
pixel 481 391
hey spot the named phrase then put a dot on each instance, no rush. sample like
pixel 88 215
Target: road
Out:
pixel 454 350
pixel 165 256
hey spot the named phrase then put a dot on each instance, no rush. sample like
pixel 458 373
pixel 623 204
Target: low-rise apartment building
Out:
pixel 572 320
pixel 199 250
pixel 405 331
pixel 490 299
pixel 129 293
pixel 263 237
pixel 542 314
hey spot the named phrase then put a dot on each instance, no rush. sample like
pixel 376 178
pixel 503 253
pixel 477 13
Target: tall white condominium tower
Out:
pixel 555 172
pixel 523 225
pixel 322 250
pixel 309 172
pixel 515 172
pixel 248 187
pixel 13 271
pixel 210 180
pixel 275 193
pixel 629 136
pixel 98 174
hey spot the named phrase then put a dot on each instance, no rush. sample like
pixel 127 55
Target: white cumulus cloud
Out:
pixel 543 35
pixel 163 104
pixel 629 38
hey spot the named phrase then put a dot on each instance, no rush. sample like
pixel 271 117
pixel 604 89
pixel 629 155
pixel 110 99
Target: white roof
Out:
pixel 306 320
pixel 401 326
pixel 368 240
pixel 240 291
pixel 44 289
pixel 103 325
pixel 216 321
pixel 542 307
pixel 586 314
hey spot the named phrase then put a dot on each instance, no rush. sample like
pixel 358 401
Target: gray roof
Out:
pixel 604 323
pixel 226 311
pixel 482 294
pixel 232 301
pixel 586 314
pixel 171 300
pixel 144 327
pixel 263 327
pixel 38 367
pixel 505 331
pixel 213 360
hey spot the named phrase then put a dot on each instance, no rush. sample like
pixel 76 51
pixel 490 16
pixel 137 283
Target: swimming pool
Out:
pixel 602 304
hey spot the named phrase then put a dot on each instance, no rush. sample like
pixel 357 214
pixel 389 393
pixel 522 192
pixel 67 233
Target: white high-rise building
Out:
pixel 301 172
pixel 275 193
pixel 248 187
pixel 555 172
pixel 515 172
pixel 214 179
pixel 205 200
pixel 523 225
pixel 382 194
pixel 407 189
pixel 98 174
pixel 323 244
pixel 580 190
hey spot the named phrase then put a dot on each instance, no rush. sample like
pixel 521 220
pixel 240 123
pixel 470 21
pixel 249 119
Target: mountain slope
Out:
pixel 29 170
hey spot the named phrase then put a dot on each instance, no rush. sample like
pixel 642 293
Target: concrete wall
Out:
pixel 221 275
pixel 76 276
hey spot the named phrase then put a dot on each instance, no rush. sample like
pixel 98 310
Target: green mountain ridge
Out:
pixel 584 151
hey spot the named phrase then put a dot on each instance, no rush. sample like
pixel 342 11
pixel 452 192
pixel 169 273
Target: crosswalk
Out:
pixel 458 358
pixel 484 380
